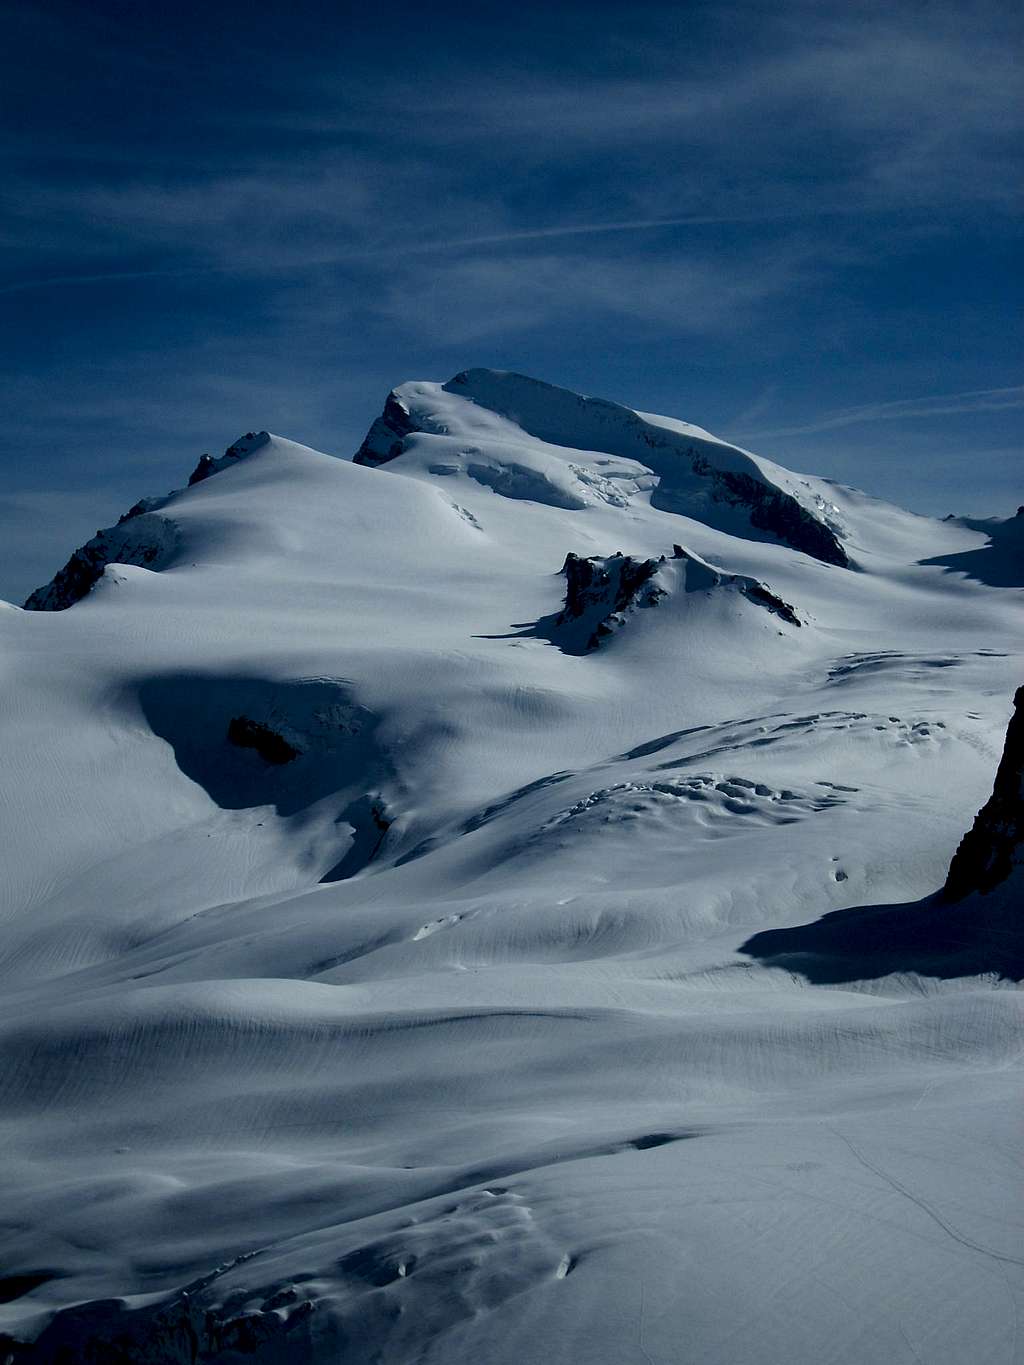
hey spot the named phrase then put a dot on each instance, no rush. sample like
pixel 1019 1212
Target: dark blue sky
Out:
pixel 795 224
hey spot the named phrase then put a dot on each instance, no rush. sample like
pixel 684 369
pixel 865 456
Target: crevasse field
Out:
pixel 388 955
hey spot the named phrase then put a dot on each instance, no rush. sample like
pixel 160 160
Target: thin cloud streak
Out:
pixel 401 250
pixel 632 225
pixel 933 405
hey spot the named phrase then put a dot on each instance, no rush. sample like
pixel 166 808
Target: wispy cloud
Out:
pixel 634 225
pixel 825 116
pixel 904 409
pixel 468 299
pixel 762 402
pixel 817 106
pixel 315 257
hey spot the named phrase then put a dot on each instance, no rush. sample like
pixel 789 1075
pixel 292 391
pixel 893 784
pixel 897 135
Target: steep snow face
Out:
pixel 479 903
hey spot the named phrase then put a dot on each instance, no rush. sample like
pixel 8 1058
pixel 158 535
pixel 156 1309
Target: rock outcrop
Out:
pixel 602 592
pixel 250 741
pixel 773 511
pixel 700 575
pixel 187 1327
pixel 994 845
pixel 252 734
pixel 140 537
pixel 245 445
pixel 385 438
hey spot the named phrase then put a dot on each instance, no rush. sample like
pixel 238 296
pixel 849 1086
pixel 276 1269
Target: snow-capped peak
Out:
pixel 680 467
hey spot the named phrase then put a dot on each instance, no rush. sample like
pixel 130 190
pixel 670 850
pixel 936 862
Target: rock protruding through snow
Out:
pixel 992 847
pixel 141 538
pixel 207 466
pixel 970 927
pixel 700 574
pixel 602 592
pixel 251 741
pixel 252 734
pixel 384 439
pixel 185 1327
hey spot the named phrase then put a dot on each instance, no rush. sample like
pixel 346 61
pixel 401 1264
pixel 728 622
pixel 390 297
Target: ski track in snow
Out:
pixel 372 984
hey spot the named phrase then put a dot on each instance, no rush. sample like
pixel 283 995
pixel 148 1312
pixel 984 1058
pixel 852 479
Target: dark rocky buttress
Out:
pixel 991 848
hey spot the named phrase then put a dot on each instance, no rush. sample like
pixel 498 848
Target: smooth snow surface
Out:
pixel 410 1023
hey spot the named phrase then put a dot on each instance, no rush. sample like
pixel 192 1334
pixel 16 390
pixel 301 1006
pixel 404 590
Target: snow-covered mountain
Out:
pixel 486 900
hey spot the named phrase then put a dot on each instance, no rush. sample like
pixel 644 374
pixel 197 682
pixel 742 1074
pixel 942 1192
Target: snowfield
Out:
pixel 411 931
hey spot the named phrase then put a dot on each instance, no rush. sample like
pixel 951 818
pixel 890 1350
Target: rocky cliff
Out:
pixel 992 848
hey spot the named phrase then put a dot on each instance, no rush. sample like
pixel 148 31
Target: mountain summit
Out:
pixel 690 471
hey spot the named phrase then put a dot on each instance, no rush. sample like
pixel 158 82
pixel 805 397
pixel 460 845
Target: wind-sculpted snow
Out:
pixel 411 952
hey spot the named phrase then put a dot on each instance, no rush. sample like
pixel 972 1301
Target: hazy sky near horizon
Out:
pixel 795 224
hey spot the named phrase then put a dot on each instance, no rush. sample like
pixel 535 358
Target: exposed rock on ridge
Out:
pixel 140 537
pixel 251 734
pixel 252 440
pixel 386 436
pixel 185 1328
pixel 773 511
pixel 700 574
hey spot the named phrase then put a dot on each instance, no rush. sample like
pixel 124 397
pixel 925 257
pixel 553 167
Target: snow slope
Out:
pixel 393 851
